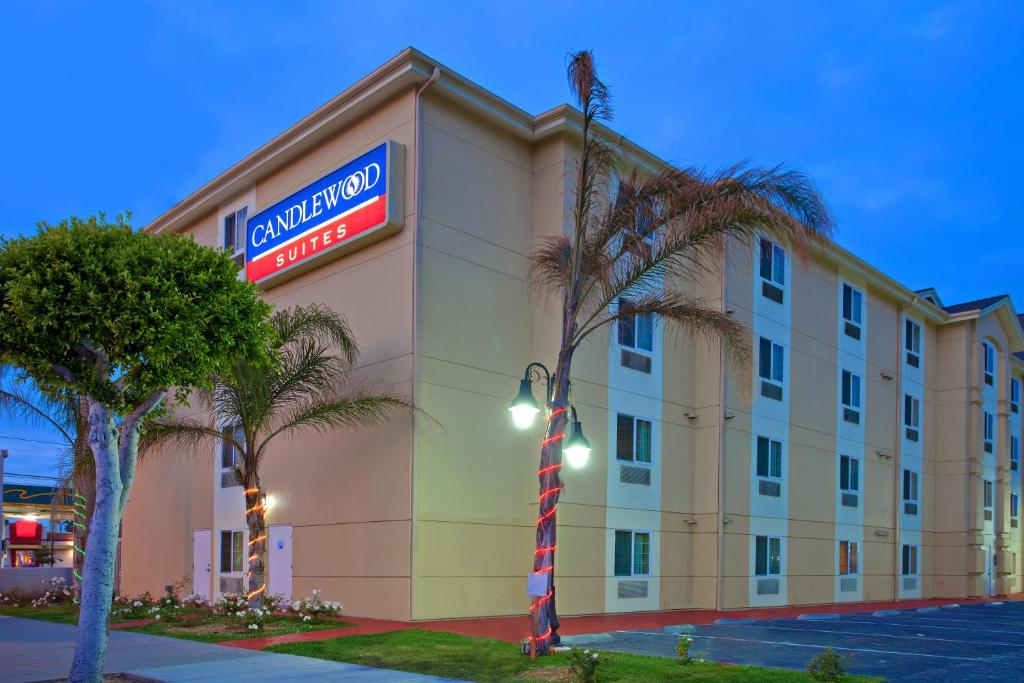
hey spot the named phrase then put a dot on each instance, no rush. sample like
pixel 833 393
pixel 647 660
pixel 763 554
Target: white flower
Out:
pixel 158 617
pixel 137 603
pixel 594 655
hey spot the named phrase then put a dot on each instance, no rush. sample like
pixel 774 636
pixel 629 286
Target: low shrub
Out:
pixel 313 608
pixel 230 603
pixel 583 665
pixel 194 601
pixel 683 646
pixel 827 666
pixel 273 602
pixel 56 593
pixel 133 608
pixel 253 618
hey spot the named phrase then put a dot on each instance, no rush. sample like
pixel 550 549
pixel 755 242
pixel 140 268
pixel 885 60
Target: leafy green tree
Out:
pixel 633 239
pixel 120 319
pixel 306 387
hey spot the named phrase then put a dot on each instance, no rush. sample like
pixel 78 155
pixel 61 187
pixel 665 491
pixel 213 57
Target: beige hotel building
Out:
pixel 872 454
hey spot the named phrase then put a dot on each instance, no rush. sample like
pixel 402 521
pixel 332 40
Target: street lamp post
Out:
pixel 576 449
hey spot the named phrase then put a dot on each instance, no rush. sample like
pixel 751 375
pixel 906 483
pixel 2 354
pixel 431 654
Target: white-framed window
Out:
pixel 989 363
pixel 912 342
pixel 1015 395
pixel 769 467
pixel 1014 509
pixel 1014 453
pixel 911 417
pixel 767 556
pixel 632 553
pixel 771 368
pixel 909 564
pixel 989 430
pixel 849 480
pixel 988 498
pixel 229 457
pixel 911 492
pixel 232 551
pixel 853 311
pixel 234 237
pixel 633 439
pixel 848 557
pixel 851 396
pixel 636 337
pixel 773 271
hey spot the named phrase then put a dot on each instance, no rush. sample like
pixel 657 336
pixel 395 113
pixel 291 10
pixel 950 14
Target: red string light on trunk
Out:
pixel 548 551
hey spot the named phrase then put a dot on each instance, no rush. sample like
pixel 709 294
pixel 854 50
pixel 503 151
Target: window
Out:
pixel 632 553
pixel 989 430
pixel 234 234
pixel 767 556
pixel 988 498
pixel 909 567
pixel 912 343
pixel 989 359
pixel 633 439
pixel 851 397
pixel 636 337
pixel 1015 395
pixel 848 557
pixel 911 417
pixel 910 492
pixel 849 480
pixel 231 551
pixel 771 360
pixel 1014 453
pixel 1014 509
pixel 229 457
pixel 853 305
pixel 769 467
pixel 773 271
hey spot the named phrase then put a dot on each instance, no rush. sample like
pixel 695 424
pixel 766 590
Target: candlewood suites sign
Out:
pixel 358 203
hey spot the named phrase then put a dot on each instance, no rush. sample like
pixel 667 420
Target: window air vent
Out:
pixel 912 434
pixel 913 360
pixel 910 508
pixel 851 415
pixel 631 474
pixel 636 361
pixel 229 478
pixel 772 391
pixel 767 487
pixel 988 515
pixel 767 586
pixel 632 589
pixel 852 330
pixel 848 584
pixel 231 584
pixel 850 500
pixel 910 583
pixel 770 291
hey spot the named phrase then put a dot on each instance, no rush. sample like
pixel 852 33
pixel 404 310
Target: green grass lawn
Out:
pixel 62 614
pixel 213 628
pixel 492 661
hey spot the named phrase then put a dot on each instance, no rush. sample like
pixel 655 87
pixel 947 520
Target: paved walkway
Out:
pixel 514 629
pixel 32 650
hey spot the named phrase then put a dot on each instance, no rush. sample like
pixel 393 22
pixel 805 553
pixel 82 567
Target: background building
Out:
pixel 812 479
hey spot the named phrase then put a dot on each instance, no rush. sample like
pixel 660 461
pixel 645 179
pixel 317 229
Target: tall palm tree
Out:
pixel 64 413
pixel 304 388
pixel 634 239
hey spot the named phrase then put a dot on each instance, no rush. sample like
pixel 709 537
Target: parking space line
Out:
pixel 948 628
pixel 818 647
pixel 884 635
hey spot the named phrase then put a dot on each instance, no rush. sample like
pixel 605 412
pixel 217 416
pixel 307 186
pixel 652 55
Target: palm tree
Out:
pixel 254 404
pixel 64 413
pixel 633 240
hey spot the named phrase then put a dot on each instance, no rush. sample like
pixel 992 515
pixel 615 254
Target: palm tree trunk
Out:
pixel 256 521
pixel 550 489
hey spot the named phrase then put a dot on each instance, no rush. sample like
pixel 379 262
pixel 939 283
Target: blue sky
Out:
pixel 908 114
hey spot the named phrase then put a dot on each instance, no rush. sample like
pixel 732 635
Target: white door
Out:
pixel 201 547
pixel 280 560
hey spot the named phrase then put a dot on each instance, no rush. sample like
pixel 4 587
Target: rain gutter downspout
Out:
pixel 418 206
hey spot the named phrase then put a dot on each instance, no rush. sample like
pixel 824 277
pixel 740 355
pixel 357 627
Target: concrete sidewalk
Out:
pixel 32 650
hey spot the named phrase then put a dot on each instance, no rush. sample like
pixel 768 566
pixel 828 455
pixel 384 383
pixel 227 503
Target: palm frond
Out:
pixel 185 435
pixel 315 322
pixel 21 399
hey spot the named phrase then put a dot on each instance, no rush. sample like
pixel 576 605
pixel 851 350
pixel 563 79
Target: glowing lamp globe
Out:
pixel 524 406
pixel 576 449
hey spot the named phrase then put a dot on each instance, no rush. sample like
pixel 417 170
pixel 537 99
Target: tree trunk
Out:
pixel 83 483
pixel 257 548
pixel 550 489
pixel 101 550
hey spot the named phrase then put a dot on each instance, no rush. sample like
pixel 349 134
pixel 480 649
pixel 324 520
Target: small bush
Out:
pixel 313 608
pixel 252 618
pixel 683 646
pixel 133 608
pixel 273 602
pixel 15 597
pixel 827 666
pixel 193 600
pixel 231 603
pixel 57 592
pixel 583 665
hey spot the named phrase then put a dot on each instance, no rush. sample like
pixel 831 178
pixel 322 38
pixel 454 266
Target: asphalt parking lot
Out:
pixel 978 642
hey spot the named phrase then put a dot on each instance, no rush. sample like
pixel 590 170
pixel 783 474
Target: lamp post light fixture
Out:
pixel 576 449
pixel 524 408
